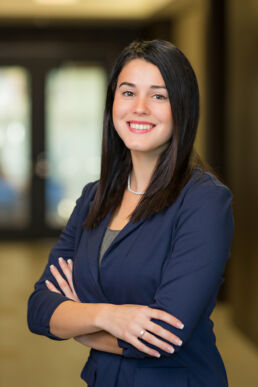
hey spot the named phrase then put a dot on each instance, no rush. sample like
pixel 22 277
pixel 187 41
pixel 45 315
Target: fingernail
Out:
pixel 69 261
pixel 51 266
pixel 178 342
pixel 60 259
pixel 171 349
pixel 180 325
pixel 47 282
pixel 157 354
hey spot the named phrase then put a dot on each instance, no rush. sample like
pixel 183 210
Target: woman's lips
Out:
pixel 140 127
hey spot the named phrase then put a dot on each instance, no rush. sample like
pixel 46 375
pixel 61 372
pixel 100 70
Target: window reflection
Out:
pixel 14 147
pixel 74 112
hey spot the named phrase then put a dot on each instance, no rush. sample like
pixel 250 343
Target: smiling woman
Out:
pixel 142 107
pixel 137 269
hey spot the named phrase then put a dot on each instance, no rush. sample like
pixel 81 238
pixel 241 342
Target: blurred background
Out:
pixel 55 57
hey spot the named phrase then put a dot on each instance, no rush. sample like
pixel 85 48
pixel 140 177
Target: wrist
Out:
pixel 103 312
pixel 82 339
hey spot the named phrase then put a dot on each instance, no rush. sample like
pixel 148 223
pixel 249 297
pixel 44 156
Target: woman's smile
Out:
pixel 140 127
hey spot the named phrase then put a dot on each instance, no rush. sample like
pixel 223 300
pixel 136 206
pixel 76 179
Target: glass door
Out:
pixel 74 103
pixel 50 142
pixel 15 137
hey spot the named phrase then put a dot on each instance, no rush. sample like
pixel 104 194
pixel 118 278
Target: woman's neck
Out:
pixel 143 167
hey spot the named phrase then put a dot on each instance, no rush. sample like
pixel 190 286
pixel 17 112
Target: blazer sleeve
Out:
pixel 42 302
pixel 194 270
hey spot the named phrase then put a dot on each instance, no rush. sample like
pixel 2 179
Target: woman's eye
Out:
pixel 128 93
pixel 159 96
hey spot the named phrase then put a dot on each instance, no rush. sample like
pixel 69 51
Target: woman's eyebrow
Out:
pixel 158 87
pixel 127 84
pixel 133 85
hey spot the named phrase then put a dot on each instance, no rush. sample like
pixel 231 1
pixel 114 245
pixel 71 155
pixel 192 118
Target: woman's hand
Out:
pixel 66 286
pixel 133 322
pixel 101 340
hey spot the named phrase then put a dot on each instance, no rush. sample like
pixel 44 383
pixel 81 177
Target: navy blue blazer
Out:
pixel 173 261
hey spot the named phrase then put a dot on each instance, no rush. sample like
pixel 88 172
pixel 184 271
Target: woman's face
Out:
pixel 142 113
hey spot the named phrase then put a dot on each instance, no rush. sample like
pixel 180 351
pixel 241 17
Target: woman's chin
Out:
pixel 138 149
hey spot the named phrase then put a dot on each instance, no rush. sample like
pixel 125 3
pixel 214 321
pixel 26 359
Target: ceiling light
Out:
pixel 55 2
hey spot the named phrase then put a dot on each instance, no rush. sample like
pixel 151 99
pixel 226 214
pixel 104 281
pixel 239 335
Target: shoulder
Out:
pixel 89 191
pixel 202 187
pixel 205 209
pixel 205 202
pixel 87 196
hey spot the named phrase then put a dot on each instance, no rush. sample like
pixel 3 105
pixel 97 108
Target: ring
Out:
pixel 142 333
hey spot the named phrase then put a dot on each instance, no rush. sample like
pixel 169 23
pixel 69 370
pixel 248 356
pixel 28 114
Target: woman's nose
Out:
pixel 141 106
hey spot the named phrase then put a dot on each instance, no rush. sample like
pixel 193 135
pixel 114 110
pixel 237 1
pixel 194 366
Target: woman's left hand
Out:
pixel 65 285
pixel 101 340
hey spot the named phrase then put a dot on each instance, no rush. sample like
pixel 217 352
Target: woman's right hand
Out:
pixel 66 286
pixel 132 322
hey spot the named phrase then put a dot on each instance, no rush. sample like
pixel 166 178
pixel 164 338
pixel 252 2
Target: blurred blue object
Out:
pixel 8 195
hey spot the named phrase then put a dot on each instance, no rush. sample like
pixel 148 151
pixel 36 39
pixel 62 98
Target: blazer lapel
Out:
pixel 123 234
pixel 94 240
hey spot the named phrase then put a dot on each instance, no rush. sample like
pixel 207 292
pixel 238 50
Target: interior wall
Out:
pixel 242 158
pixel 189 34
pixel 199 30
pixel 237 145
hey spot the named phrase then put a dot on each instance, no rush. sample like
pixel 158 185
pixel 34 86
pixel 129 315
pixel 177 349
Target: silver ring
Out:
pixel 142 333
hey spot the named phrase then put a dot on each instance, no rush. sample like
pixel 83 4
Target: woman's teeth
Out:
pixel 140 126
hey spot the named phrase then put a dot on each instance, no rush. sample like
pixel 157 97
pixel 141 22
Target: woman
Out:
pixel 136 271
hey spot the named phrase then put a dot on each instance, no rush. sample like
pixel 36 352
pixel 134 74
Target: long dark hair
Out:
pixel 175 164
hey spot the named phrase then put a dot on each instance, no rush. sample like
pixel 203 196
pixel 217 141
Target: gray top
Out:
pixel 106 242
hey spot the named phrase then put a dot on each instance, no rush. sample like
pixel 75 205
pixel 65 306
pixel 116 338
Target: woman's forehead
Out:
pixel 139 71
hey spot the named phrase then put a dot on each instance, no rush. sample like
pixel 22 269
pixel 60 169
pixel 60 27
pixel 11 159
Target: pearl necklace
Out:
pixel 130 189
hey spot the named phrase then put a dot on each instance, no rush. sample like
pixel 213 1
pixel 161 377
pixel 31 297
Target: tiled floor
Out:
pixel 28 360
